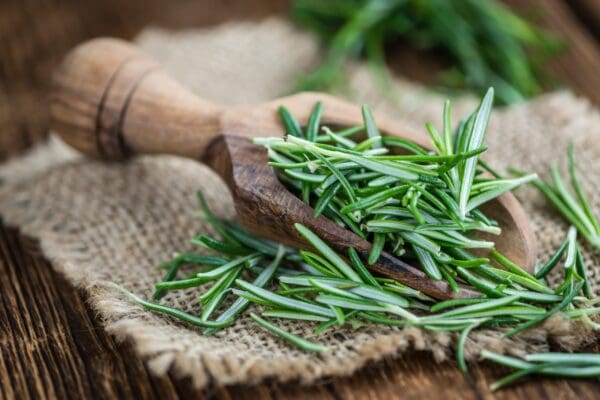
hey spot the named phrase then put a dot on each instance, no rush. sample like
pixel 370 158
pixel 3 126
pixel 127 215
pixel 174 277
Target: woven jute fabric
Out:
pixel 100 222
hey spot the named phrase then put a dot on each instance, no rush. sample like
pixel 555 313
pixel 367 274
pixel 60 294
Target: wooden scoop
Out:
pixel 111 101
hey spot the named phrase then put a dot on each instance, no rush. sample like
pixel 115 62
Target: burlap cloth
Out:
pixel 101 222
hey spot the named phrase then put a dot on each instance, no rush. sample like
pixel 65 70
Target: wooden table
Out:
pixel 53 346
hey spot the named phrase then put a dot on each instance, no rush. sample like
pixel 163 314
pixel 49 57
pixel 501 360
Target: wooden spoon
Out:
pixel 110 100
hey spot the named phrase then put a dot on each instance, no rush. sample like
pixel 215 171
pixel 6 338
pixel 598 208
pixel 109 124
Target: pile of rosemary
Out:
pixel 421 206
pixel 488 44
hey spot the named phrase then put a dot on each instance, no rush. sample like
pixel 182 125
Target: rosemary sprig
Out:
pixel 422 205
pixel 489 44
pixel 289 337
pixel 569 365
pixel 408 205
pixel 318 295
pixel 574 208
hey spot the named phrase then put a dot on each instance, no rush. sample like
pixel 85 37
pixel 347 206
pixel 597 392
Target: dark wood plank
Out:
pixel 53 346
pixel 588 12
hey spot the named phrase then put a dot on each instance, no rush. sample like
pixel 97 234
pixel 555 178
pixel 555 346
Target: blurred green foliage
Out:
pixel 488 43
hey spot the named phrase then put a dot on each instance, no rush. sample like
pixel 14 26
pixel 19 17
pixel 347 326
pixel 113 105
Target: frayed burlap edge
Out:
pixel 58 207
pixel 165 344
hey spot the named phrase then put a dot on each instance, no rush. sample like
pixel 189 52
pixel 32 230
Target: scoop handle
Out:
pixel 110 100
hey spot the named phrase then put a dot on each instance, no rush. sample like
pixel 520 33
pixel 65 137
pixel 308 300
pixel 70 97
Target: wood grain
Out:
pixel 588 12
pixel 53 346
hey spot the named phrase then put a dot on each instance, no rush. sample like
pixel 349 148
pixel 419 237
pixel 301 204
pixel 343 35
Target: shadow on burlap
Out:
pixel 100 222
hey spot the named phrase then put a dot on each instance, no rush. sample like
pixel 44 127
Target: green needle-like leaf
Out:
pixel 312 128
pixel 289 337
pixel 292 127
pixel 475 141
pixel 327 252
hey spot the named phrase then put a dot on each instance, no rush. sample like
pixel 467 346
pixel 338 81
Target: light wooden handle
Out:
pixel 110 100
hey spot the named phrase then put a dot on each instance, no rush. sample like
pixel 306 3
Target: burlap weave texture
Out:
pixel 100 222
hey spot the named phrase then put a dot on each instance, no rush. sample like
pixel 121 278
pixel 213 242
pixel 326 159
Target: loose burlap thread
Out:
pixel 99 222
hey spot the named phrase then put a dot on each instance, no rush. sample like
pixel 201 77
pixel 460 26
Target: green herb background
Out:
pixel 488 44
